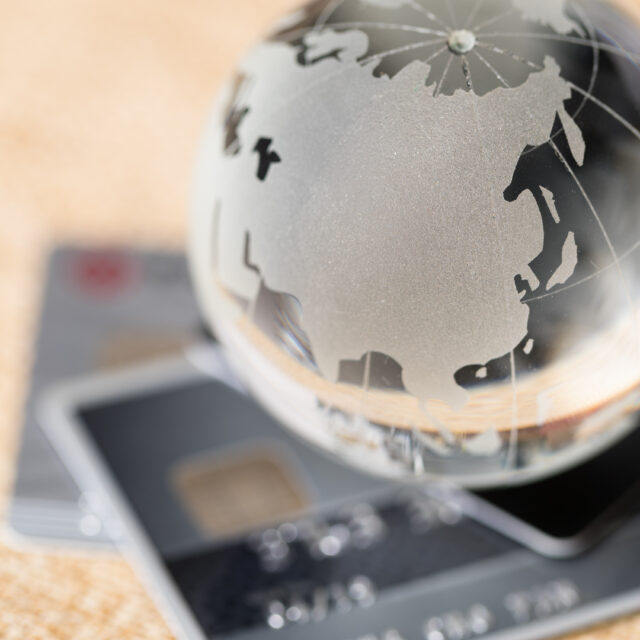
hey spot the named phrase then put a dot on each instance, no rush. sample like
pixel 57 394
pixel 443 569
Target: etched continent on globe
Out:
pixel 387 199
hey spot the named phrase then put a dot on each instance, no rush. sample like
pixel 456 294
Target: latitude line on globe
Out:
pixel 612 112
pixel 586 279
pixel 614 255
pixel 587 199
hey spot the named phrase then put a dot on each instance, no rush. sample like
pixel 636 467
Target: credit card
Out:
pixel 243 531
pixel 101 309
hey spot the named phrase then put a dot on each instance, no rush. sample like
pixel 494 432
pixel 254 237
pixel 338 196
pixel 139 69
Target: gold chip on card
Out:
pixel 231 494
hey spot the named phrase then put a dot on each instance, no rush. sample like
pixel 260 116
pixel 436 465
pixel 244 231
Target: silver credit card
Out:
pixel 102 309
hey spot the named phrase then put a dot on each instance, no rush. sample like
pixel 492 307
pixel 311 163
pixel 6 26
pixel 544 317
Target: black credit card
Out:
pixel 250 533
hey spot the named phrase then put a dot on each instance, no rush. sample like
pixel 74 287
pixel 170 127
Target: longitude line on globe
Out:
pixel 406 47
pixel 444 75
pixel 491 68
pixel 490 21
pixel 429 14
pixel 568 39
pixel 593 38
pixel 509 54
pixel 452 13
pixel 437 53
pixel 473 13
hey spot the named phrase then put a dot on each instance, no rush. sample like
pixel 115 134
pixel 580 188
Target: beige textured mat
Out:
pixel 101 105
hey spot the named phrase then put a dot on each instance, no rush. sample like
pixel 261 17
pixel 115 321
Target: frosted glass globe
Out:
pixel 416 228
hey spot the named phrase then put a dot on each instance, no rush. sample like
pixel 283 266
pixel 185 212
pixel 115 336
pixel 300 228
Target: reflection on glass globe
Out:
pixel 416 230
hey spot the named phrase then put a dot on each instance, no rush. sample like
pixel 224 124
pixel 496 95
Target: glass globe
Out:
pixel 416 227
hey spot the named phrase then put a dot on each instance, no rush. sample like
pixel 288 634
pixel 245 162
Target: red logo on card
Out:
pixel 103 273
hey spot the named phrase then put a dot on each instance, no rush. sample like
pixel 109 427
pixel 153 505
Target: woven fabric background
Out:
pixel 101 106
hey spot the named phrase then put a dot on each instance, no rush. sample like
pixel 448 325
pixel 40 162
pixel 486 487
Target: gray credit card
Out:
pixel 102 309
